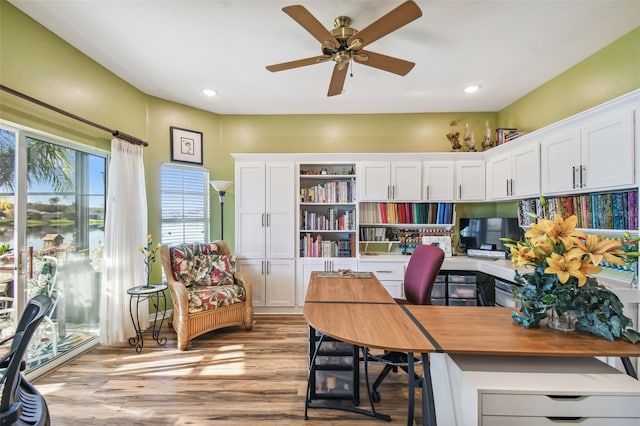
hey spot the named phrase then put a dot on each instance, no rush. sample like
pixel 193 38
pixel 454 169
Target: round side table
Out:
pixel 142 293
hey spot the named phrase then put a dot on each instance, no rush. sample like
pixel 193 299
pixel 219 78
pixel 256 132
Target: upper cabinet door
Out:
pixel 526 170
pixel 250 214
pixel 470 180
pixel 374 181
pixel 596 154
pixel 406 181
pixel 560 162
pixel 280 210
pixel 438 181
pixel 499 176
pixel 607 150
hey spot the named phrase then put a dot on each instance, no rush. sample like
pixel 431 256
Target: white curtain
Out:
pixel 125 231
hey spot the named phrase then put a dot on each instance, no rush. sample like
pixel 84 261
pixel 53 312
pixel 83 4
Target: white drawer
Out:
pixel 542 421
pixel 384 271
pixel 543 405
pixel 394 288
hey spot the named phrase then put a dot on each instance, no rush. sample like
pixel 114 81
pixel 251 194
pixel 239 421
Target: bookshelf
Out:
pixel 602 211
pixel 327 210
pixel 388 226
pixel 612 214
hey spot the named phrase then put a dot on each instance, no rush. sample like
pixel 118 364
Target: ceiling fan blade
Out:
pixel 309 22
pixel 383 62
pixel 337 79
pixel 298 63
pixel 398 17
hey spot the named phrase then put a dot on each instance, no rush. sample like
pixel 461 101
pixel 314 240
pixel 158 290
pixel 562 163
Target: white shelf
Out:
pixel 446 226
pixel 325 177
pixel 338 203
pixel 340 231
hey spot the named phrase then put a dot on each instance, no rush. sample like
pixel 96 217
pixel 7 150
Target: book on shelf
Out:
pixel 613 210
pixel 406 213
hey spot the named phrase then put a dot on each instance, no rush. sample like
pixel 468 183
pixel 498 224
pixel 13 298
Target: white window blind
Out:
pixel 185 204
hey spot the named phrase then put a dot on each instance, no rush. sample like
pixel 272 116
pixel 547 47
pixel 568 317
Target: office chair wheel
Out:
pixel 375 396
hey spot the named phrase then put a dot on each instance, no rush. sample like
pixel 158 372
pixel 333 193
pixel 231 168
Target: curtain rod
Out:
pixel 116 133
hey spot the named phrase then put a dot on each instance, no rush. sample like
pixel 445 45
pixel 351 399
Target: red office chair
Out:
pixel 419 278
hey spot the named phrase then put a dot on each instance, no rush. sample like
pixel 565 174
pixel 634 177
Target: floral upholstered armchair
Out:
pixel 206 290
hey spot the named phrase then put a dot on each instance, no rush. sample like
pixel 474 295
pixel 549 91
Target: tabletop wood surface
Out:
pixel 361 312
pixel 381 326
pixel 486 330
pixel 346 290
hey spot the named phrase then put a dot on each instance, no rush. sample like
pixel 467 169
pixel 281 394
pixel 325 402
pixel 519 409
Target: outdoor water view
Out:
pixel 64 226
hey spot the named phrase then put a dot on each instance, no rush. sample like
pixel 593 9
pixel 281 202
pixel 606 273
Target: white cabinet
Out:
pixel 379 181
pixel 438 181
pixel 273 281
pixel 515 171
pixel 470 180
pixel 390 275
pixel 265 225
pixel 491 391
pixel 265 210
pixel 308 265
pixel 594 154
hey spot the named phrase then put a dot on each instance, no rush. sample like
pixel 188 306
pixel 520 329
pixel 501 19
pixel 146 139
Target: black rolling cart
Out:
pixel 335 372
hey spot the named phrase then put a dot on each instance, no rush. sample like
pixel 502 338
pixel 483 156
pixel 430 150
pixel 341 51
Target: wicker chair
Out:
pixel 200 305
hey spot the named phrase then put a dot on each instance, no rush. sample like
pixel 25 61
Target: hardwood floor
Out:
pixel 226 377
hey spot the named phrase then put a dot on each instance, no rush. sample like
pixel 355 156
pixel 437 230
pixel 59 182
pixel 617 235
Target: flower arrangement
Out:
pixel 564 261
pixel 149 251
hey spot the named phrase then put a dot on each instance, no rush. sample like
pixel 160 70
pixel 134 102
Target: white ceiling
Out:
pixel 173 49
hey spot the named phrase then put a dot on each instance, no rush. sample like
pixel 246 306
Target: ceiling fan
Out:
pixel 343 43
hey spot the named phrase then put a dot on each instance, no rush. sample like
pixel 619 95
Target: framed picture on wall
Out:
pixel 186 145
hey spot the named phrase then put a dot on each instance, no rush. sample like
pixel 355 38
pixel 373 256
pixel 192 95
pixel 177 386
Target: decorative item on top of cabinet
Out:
pixel 327 219
pixel 454 136
pixel 469 140
pixel 487 143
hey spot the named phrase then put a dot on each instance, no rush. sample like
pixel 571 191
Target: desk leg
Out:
pixel 412 387
pixel 628 367
pixel 428 403
pixel 137 340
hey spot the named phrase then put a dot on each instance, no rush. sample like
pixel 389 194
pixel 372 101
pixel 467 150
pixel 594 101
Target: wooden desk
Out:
pixel 356 311
pixel 360 290
pixel 491 331
pixel 361 312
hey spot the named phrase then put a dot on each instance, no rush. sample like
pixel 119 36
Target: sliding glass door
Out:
pixel 52 199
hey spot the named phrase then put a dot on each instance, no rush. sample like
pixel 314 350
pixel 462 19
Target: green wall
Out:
pixel 38 63
pixel 607 74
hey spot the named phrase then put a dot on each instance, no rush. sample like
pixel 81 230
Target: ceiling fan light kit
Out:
pixel 344 44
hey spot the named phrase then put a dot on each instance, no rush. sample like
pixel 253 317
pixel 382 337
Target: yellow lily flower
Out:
pixel 565 267
pixel 598 248
pixel 522 255
pixel 564 230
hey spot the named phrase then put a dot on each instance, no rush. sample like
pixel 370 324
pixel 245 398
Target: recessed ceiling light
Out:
pixel 471 89
pixel 209 92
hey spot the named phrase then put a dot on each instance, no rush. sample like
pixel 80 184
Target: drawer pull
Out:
pixel 563 419
pixel 383 272
pixel 566 397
